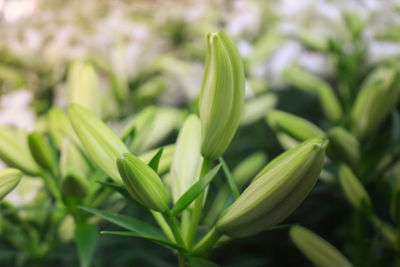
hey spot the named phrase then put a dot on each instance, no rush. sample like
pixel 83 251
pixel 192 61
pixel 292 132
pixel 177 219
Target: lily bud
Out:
pixel 100 143
pixel 222 95
pixel 296 127
pixel 9 179
pixel 14 151
pixel 274 195
pixel 142 182
pixel 317 250
pixel 59 127
pixel 186 166
pixel 42 152
pixel 256 108
pixel 344 146
pixel 353 189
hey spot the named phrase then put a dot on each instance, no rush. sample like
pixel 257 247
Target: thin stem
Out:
pixel 206 242
pixel 176 231
pixel 185 223
pixel 163 225
pixel 229 177
pixel 181 260
pixel 198 205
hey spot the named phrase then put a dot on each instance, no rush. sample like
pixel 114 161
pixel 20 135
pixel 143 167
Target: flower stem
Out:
pixel 163 225
pixel 173 223
pixel 206 242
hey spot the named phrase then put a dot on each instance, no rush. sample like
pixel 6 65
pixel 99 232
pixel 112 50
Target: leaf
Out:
pixel 228 175
pixel 138 228
pixel 199 262
pixel 396 127
pixel 86 237
pixel 194 191
pixel 156 160
pixel 120 189
pixel 161 241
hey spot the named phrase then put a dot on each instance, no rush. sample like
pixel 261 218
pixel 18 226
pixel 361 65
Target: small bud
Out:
pixel 14 151
pixel 142 182
pixel 60 128
pixel 274 195
pixel 9 179
pixel 354 190
pixel 343 146
pixel 318 251
pixel 249 167
pixel 256 108
pixel 296 127
pixel 222 95
pixel 100 143
pixel 313 41
pixel 42 152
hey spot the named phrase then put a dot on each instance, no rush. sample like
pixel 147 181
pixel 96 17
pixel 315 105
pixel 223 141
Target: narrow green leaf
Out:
pixel 120 189
pixel 86 237
pixel 156 160
pixel 199 262
pixel 194 191
pixel 229 177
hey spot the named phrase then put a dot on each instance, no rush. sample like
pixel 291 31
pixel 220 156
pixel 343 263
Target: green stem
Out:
pixel 163 225
pixel 185 223
pixel 181 260
pixel 198 205
pixel 176 231
pixel 206 242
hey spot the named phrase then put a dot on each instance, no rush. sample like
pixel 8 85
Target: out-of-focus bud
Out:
pixel 287 142
pixel 343 146
pixel 222 95
pixel 256 108
pixel 263 48
pixel 120 74
pixel 354 190
pixel 59 127
pixel 313 41
pixel 186 166
pixel 42 152
pixel 273 196
pixel 142 182
pixel 149 91
pixel 377 98
pixel 83 87
pixel 310 83
pixel 316 249
pixel 166 158
pixel 249 167
pixel 99 141
pixel 296 127
pixel 9 179
pixel 14 151
pixel 66 229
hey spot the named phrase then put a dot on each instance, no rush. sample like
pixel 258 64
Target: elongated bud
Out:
pixel 14 151
pixel 186 166
pixel 316 249
pixel 256 108
pixel 343 146
pixel 9 179
pixel 377 98
pixel 275 194
pixel 263 48
pixel 296 127
pixel 249 167
pixel 222 95
pixel 142 182
pixel 59 127
pixel 166 158
pixel 100 143
pixel 314 85
pixel 42 152
pixel 313 41
pixel 353 189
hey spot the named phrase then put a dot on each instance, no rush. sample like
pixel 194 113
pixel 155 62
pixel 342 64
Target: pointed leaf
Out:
pixel 86 237
pixel 156 160
pixel 194 191
pixel 120 189
pixel 229 177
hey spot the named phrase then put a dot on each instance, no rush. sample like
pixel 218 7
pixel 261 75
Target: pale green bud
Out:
pixel 318 251
pixel 9 179
pixel 166 158
pixel 99 141
pixel 263 48
pixel 274 195
pixel 42 152
pixel 310 83
pixel 221 99
pixel 353 189
pixel 296 127
pixel 142 182
pixel 313 41
pixel 377 98
pixel 343 146
pixel 186 166
pixel 286 141
pixel 149 91
pixel 256 108
pixel 59 127
pixel 14 151
pixel 120 74
pixel 249 167
pixel 66 229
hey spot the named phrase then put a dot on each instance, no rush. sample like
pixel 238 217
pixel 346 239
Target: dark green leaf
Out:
pixel 86 237
pixel 156 160
pixel 229 177
pixel 194 191
pixel 120 189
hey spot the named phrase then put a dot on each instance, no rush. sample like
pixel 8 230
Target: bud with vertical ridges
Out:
pixel 222 95
pixel 343 146
pixel 42 152
pixel 59 127
pixel 9 179
pixel 99 141
pixel 142 182
pixel 274 195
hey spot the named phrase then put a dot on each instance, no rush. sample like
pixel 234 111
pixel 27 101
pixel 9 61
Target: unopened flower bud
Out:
pixel 344 146
pixel 42 152
pixel 9 179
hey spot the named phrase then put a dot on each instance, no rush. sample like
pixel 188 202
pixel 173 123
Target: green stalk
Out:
pixel 176 231
pixel 163 225
pixel 181 260
pixel 206 242
pixel 198 205
pixel 185 223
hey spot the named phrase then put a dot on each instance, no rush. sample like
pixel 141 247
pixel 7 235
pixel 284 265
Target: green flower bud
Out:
pixel 377 98
pixel 256 108
pixel 59 127
pixel 249 167
pixel 149 91
pixel 14 151
pixel 296 127
pixel 222 95
pixel 99 142
pixel 343 146
pixel 353 189
pixel 318 251
pixel 275 194
pixel 313 41
pixel 9 179
pixel 42 152
pixel 287 142
pixel 142 182
pixel 314 85
pixel 66 229
pixel 166 158
pixel 186 166
pixel 263 48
